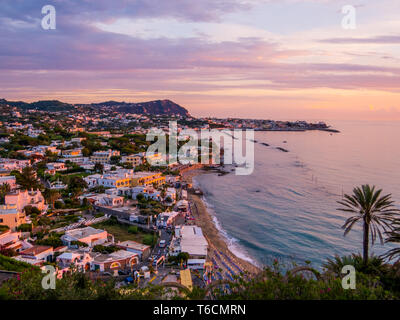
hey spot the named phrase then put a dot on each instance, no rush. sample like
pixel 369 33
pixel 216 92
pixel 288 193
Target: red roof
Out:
pixel 35 250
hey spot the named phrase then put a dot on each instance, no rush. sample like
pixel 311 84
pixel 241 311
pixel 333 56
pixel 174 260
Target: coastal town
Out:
pixel 208 159
pixel 81 197
pixel 79 193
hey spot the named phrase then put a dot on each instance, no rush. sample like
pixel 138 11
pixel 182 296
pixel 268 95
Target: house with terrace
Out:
pixel 36 255
pixel 88 235
pixel 11 216
pixel 121 260
pixel 23 198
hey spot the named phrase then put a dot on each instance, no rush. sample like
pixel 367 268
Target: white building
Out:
pixel 109 180
pixel 103 156
pixel 103 199
pixel 88 235
pixel 80 259
pixel 36 255
pixel 171 192
pixel 53 167
pixel 21 199
pixel 149 192
pixel 167 219
pixel 13 164
pixel 190 239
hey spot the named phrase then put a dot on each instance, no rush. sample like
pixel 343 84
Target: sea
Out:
pixel 287 208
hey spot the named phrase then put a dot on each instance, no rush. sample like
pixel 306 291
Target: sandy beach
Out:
pixel 205 221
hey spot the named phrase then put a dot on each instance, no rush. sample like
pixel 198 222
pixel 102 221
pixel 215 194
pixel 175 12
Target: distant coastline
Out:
pixel 300 130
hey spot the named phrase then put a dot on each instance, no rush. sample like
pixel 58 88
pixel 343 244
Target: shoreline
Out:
pixel 204 220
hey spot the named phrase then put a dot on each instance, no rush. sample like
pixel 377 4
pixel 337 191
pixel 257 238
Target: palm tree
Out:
pixel 98 167
pixel 76 185
pixel 51 196
pixel 375 265
pixel 394 236
pixel 182 257
pixel 376 212
pixel 4 189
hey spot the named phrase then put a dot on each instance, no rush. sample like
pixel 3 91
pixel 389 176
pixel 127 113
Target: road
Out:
pixel 158 251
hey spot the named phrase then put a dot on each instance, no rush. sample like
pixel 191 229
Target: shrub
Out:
pixel 105 249
pixel 111 222
pixel 9 264
pixel 44 221
pixel 7 252
pixel 133 229
pixel 25 227
pixel 58 205
pixel 29 210
pixel 3 228
pixel 53 240
pixel 149 240
pixel 79 244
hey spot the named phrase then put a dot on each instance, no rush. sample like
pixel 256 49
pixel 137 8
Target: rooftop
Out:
pixel 118 255
pixel 133 245
pixel 83 232
pixel 35 250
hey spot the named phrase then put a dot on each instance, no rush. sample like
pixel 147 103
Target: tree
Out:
pixel 31 211
pixel 85 152
pixel 163 193
pixel 375 266
pixel 98 167
pixel 51 157
pixel 51 196
pixel 52 240
pixel 105 249
pixel 25 227
pixel 140 197
pixel 4 189
pixel 76 185
pixel 115 160
pixel 133 229
pixel 394 237
pixel 182 257
pixel 27 179
pixel 376 212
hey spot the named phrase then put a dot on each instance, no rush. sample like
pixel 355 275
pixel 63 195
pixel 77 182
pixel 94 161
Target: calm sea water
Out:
pixel 287 208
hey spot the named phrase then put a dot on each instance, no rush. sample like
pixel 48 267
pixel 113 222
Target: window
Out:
pixel 1 220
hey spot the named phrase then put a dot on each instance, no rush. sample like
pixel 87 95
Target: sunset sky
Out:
pixel 280 59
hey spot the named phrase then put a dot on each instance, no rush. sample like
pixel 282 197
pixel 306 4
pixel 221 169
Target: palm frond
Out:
pixel 376 211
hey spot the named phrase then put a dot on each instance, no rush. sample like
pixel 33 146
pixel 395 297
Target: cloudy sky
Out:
pixel 281 59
